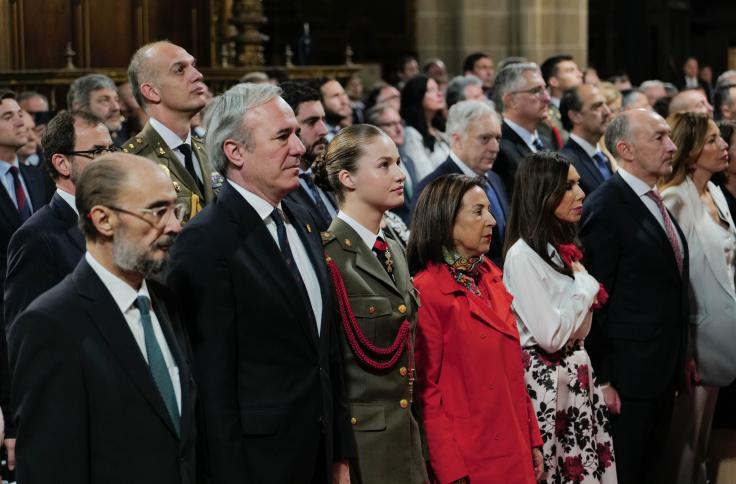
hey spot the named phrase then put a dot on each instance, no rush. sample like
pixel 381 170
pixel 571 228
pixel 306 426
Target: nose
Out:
pixel 296 147
pixel 197 75
pixel 490 220
pixel 173 226
pixel 670 146
pixel 322 128
pixel 115 105
pixel 709 107
pixel 580 193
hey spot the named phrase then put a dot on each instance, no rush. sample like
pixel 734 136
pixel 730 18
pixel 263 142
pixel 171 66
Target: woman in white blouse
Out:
pixel 702 212
pixel 553 301
pixel 422 108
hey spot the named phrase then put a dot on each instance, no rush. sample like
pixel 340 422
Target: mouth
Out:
pixel 199 90
pixel 399 190
pixel 578 210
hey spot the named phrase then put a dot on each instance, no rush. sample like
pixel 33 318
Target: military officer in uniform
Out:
pixel 378 305
pixel 166 83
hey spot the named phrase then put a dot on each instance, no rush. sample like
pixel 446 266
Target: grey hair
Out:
pixel 224 119
pixel 511 78
pixel 630 98
pixel 465 112
pixel 83 86
pixel 373 116
pixel 456 88
pixel 728 77
pixel 651 83
pixel 617 129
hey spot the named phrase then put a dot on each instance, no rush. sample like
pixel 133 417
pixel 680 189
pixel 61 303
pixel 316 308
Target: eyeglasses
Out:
pixel 156 217
pixel 92 154
pixel 538 91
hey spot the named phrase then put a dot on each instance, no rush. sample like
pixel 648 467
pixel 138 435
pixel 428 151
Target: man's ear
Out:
pixel 101 218
pixel 62 164
pixel 150 93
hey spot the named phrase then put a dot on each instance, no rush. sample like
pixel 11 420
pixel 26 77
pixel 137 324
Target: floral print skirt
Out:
pixel 573 418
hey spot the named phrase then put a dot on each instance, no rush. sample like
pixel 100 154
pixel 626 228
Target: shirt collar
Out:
pixel 555 101
pixel 260 205
pixel 5 166
pixel 70 199
pixel 171 139
pixel 639 186
pixel 122 293
pixel 589 149
pixel 525 135
pixel 368 237
pixel 461 164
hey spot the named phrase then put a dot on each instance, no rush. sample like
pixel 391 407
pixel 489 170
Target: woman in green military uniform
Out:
pixel 377 302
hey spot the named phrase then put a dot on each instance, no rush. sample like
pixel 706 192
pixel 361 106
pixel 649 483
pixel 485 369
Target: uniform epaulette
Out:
pixel 134 145
pixel 327 237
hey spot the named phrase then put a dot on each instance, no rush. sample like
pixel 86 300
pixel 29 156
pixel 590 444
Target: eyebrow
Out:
pixel 312 119
pixel 283 131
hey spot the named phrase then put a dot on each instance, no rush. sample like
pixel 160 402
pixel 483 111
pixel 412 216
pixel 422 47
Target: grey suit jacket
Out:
pixel 712 296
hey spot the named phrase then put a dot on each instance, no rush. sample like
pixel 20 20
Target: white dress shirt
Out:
pixel 641 189
pixel 526 136
pixel 549 306
pixel 69 199
pixel 464 169
pixel 173 141
pixel 301 257
pixel 368 237
pixel 125 296
pixel 9 184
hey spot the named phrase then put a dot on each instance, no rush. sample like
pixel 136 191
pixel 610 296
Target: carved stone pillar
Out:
pixel 247 17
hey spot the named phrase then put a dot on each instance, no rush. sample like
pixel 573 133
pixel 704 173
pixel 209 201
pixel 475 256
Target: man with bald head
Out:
pixel 167 85
pixel 635 249
pixel 691 100
pixel 102 388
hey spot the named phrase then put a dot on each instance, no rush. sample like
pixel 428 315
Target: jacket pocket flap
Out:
pixel 367 417
pixel 262 421
pixel 370 306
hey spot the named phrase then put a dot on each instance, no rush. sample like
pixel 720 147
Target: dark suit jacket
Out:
pixel 590 175
pixel 40 194
pixel 449 167
pixel 301 197
pixel 513 150
pixel 271 388
pixel 86 407
pixel 639 339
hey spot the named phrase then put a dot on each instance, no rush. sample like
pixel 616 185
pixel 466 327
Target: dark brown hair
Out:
pixel 434 219
pixel 540 184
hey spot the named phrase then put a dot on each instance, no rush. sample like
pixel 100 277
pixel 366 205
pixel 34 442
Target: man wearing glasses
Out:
pixel 102 388
pixel 520 92
pixel 167 85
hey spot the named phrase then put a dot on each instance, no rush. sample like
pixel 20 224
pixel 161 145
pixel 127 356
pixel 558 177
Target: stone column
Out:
pixel 534 29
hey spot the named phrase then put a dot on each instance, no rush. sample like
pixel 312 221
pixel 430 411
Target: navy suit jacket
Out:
pixel 304 199
pixel 639 338
pixel 513 150
pixel 449 167
pixel 86 406
pixel 271 386
pixel 590 175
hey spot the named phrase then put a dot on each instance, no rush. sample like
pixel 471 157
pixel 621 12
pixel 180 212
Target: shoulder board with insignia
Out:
pixel 327 237
pixel 135 145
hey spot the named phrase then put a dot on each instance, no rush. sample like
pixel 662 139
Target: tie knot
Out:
pixel 277 217
pixel 654 195
pixel 538 144
pixel 185 149
pixel 14 170
pixel 143 304
pixel 380 245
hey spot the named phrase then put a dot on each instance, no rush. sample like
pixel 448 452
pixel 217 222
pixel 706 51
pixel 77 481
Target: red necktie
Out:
pixel 669 227
pixel 20 194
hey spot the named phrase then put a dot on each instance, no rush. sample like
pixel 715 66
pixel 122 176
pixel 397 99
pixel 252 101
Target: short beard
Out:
pixel 129 258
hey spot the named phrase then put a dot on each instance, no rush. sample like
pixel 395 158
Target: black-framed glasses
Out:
pixel 92 154
pixel 156 217
pixel 538 91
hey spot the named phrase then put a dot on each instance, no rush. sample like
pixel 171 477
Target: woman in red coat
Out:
pixel 479 421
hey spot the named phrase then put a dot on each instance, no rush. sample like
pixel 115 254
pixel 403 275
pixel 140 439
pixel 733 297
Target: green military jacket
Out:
pixel 386 433
pixel 149 144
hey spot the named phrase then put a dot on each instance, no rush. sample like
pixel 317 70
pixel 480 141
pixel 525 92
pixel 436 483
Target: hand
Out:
pixel 692 377
pixel 610 396
pixel 341 472
pixel 537 463
pixel 577 267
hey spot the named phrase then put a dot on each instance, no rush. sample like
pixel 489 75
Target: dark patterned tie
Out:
pixel 669 227
pixel 156 362
pixel 189 165
pixel 602 162
pixel 380 248
pixel 316 198
pixel 538 145
pixel 20 195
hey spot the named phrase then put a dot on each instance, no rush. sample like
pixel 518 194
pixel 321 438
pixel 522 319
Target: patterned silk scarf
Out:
pixel 465 270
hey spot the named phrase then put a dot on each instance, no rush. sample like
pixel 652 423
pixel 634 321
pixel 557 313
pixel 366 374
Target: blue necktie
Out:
pixel 602 162
pixel 496 209
pixel 316 198
pixel 156 362
pixel 538 145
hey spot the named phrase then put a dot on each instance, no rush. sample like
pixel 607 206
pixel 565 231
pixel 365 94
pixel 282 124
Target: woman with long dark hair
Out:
pixel 422 109
pixel 478 418
pixel 553 301
pixel 377 304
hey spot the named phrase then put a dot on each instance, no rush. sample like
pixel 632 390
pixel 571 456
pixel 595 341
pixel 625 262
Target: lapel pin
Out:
pixel 309 228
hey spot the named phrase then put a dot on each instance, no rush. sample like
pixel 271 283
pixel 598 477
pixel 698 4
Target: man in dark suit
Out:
pixel 250 270
pixel 560 72
pixel 585 115
pixel 690 79
pixel 521 93
pixel 307 105
pixel 102 388
pixel 474 129
pixel 24 190
pixel 167 85
pixel 634 247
